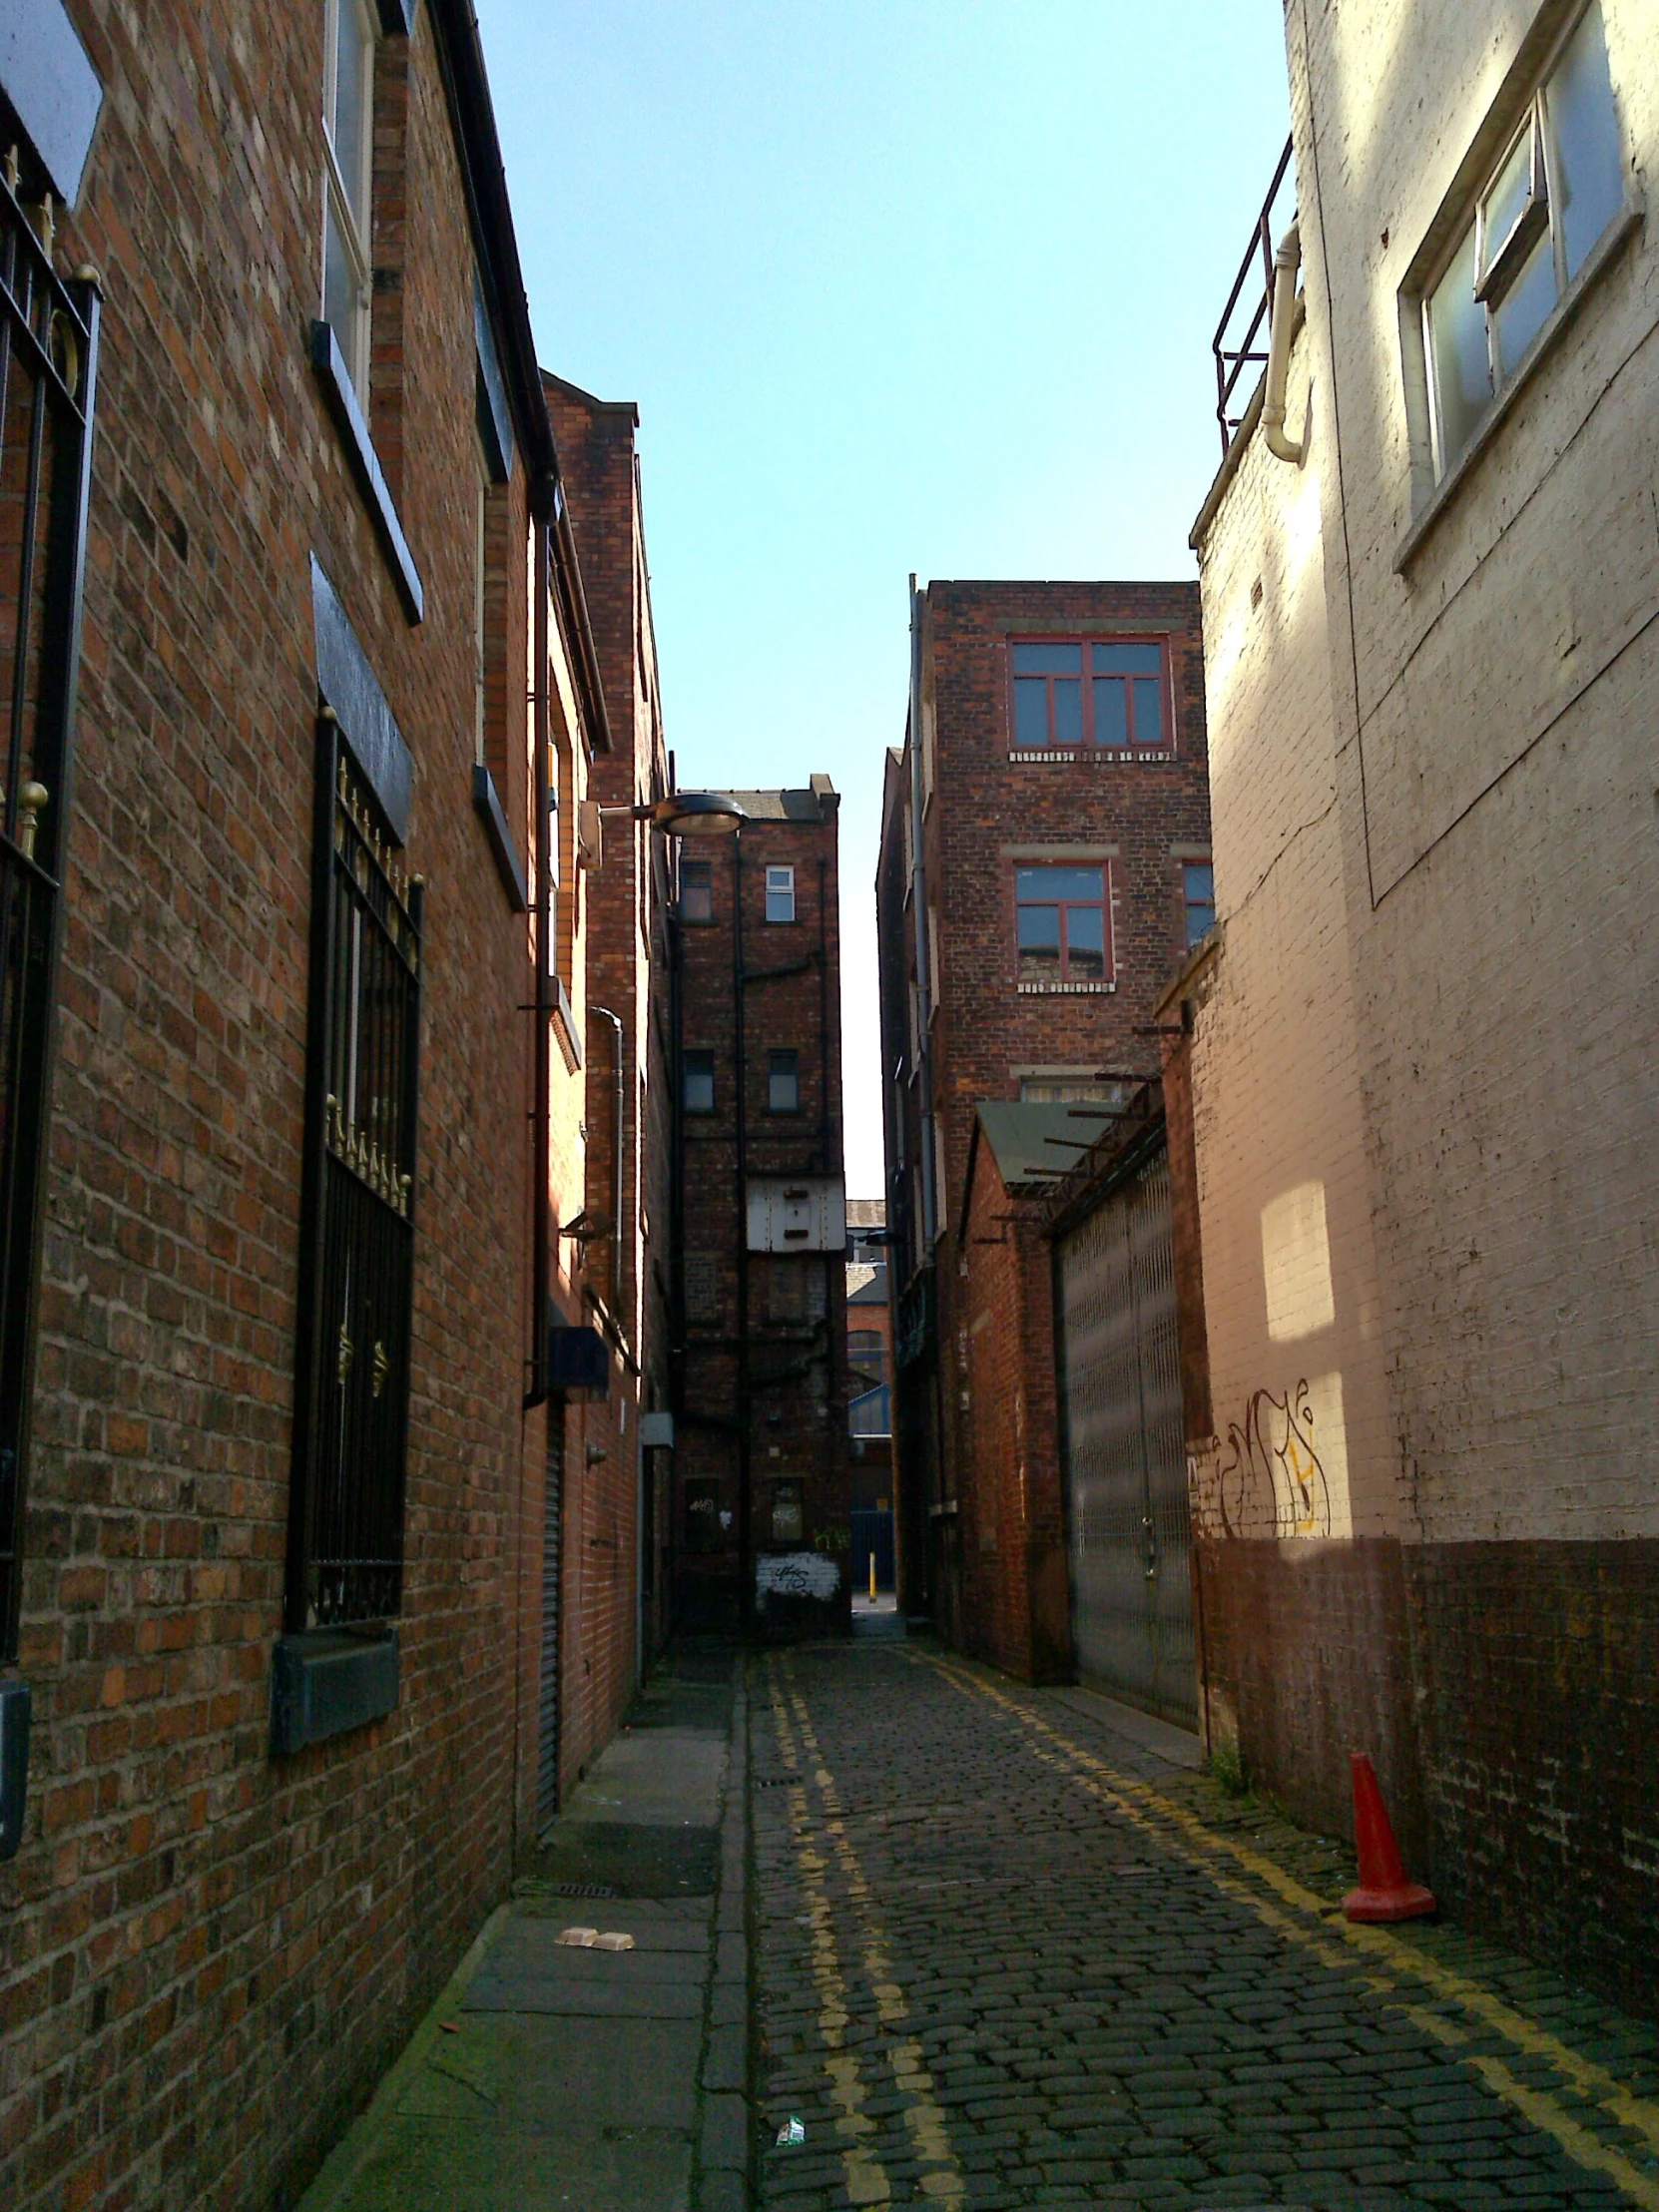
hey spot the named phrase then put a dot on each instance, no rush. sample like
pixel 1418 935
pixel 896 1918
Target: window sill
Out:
pixel 1565 312
pixel 488 801
pixel 330 364
pixel 1105 755
pixel 329 1680
pixel 1067 990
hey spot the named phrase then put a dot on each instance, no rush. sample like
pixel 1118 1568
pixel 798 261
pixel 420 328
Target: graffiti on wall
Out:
pixel 1271 1481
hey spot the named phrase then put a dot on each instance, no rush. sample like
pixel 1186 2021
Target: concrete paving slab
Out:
pixel 427 2165
pixel 532 2072
pixel 552 2075
pixel 539 1937
pixel 1179 1746
pixel 526 1993
pixel 639 1861
pixel 661 1778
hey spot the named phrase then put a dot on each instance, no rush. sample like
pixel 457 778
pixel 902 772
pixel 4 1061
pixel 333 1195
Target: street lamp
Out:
pixel 688 814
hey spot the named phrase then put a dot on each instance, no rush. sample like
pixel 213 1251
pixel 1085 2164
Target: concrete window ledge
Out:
pixel 487 801
pixel 329 1680
pixel 330 364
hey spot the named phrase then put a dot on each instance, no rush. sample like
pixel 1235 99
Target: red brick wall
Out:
pixel 1004 1444
pixel 627 1169
pixel 207 1955
pixel 796 1428
pixel 984 802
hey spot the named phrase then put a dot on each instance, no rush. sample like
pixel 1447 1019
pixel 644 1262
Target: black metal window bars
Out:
pixel 345 1545
pixel 48 366
pixel 1241 341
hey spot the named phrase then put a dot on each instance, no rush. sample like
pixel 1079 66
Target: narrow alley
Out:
pixel 1008 1955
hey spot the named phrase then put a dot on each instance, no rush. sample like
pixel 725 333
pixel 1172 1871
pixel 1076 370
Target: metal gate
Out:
pixel 547 1734
pixel 1128 1532
pixel 871 1539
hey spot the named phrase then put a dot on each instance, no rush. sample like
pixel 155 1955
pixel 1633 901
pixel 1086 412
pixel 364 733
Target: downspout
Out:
pixel 1285 264
pixel 919 914
pixel 614 1022
pixel 543 499
pixel 746 1590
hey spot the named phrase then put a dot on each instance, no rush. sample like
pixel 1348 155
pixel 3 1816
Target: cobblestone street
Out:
pixel 1006 1957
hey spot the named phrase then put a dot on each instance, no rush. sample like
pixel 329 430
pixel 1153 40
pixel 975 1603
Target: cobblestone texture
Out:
pixel 1006 1958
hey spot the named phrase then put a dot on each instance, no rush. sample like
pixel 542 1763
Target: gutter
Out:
pixel 461 59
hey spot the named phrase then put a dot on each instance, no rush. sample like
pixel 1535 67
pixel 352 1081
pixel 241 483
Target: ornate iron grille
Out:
pixel 48 365
pixel 352 1387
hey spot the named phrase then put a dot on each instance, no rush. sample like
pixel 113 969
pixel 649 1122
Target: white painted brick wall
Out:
pixel 1467 1062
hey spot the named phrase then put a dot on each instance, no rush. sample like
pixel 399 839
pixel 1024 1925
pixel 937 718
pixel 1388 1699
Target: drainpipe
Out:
pixel 543 502
pixel 614 1022
pixel 746 1410
pixel 919 914
pixel 1285 264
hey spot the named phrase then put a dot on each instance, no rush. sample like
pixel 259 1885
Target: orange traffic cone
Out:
pixel 1384 1893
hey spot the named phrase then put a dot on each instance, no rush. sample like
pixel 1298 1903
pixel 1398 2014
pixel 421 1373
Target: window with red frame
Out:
pixel 1061 925
pixel 1079 692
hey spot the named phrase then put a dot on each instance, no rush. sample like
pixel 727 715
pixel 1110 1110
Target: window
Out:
pixel 1069 1090
pixel 356 1265
pixel 784 1082
pixel 697 891
pixel 779 895
pixel 697 1074
pixel 1079 692
pixel 347 108
pixel 1060 926
pixel 44 425
pixel 1552 195
pixel 480 608
pixel 864 1351
pixel 1198 889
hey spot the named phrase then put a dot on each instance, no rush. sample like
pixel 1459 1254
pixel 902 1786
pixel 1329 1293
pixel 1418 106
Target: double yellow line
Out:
pixel 1393 1964
pixel 866 2177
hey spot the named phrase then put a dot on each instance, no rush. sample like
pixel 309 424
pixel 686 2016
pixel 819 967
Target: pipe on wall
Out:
pixel 618 1088
pixel 1285 264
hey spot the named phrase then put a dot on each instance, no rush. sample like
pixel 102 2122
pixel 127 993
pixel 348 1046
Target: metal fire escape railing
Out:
pixel 48 365
pixel 1240 344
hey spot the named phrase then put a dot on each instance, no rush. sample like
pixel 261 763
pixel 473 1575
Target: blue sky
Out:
pixel 917 286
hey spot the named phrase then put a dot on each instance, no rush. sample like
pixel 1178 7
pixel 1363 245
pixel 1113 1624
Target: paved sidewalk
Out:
pixel 591 2080
pixel 1012 1951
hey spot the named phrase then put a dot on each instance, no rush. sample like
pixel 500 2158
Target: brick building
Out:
pixel 869 1393
pixel 761 1463
pixel 1055 761
pixel 279 1396
pixel 616 1527
pixel 1419 1048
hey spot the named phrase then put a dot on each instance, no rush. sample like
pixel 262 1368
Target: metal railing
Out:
pixel 351 1419
pixel 48 365
pixel 1241 341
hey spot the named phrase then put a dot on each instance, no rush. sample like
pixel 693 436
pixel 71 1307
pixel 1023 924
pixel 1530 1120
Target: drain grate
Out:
pixel 781 1781
pixel 577 1888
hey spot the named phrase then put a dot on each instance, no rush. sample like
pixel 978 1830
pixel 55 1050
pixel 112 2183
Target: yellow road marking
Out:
pixel 866 2176
pixel 1139 1803
pixel 941 2178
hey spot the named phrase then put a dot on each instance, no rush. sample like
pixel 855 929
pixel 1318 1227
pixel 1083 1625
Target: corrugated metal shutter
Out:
pixel 547 1756
pixel 1128 1527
